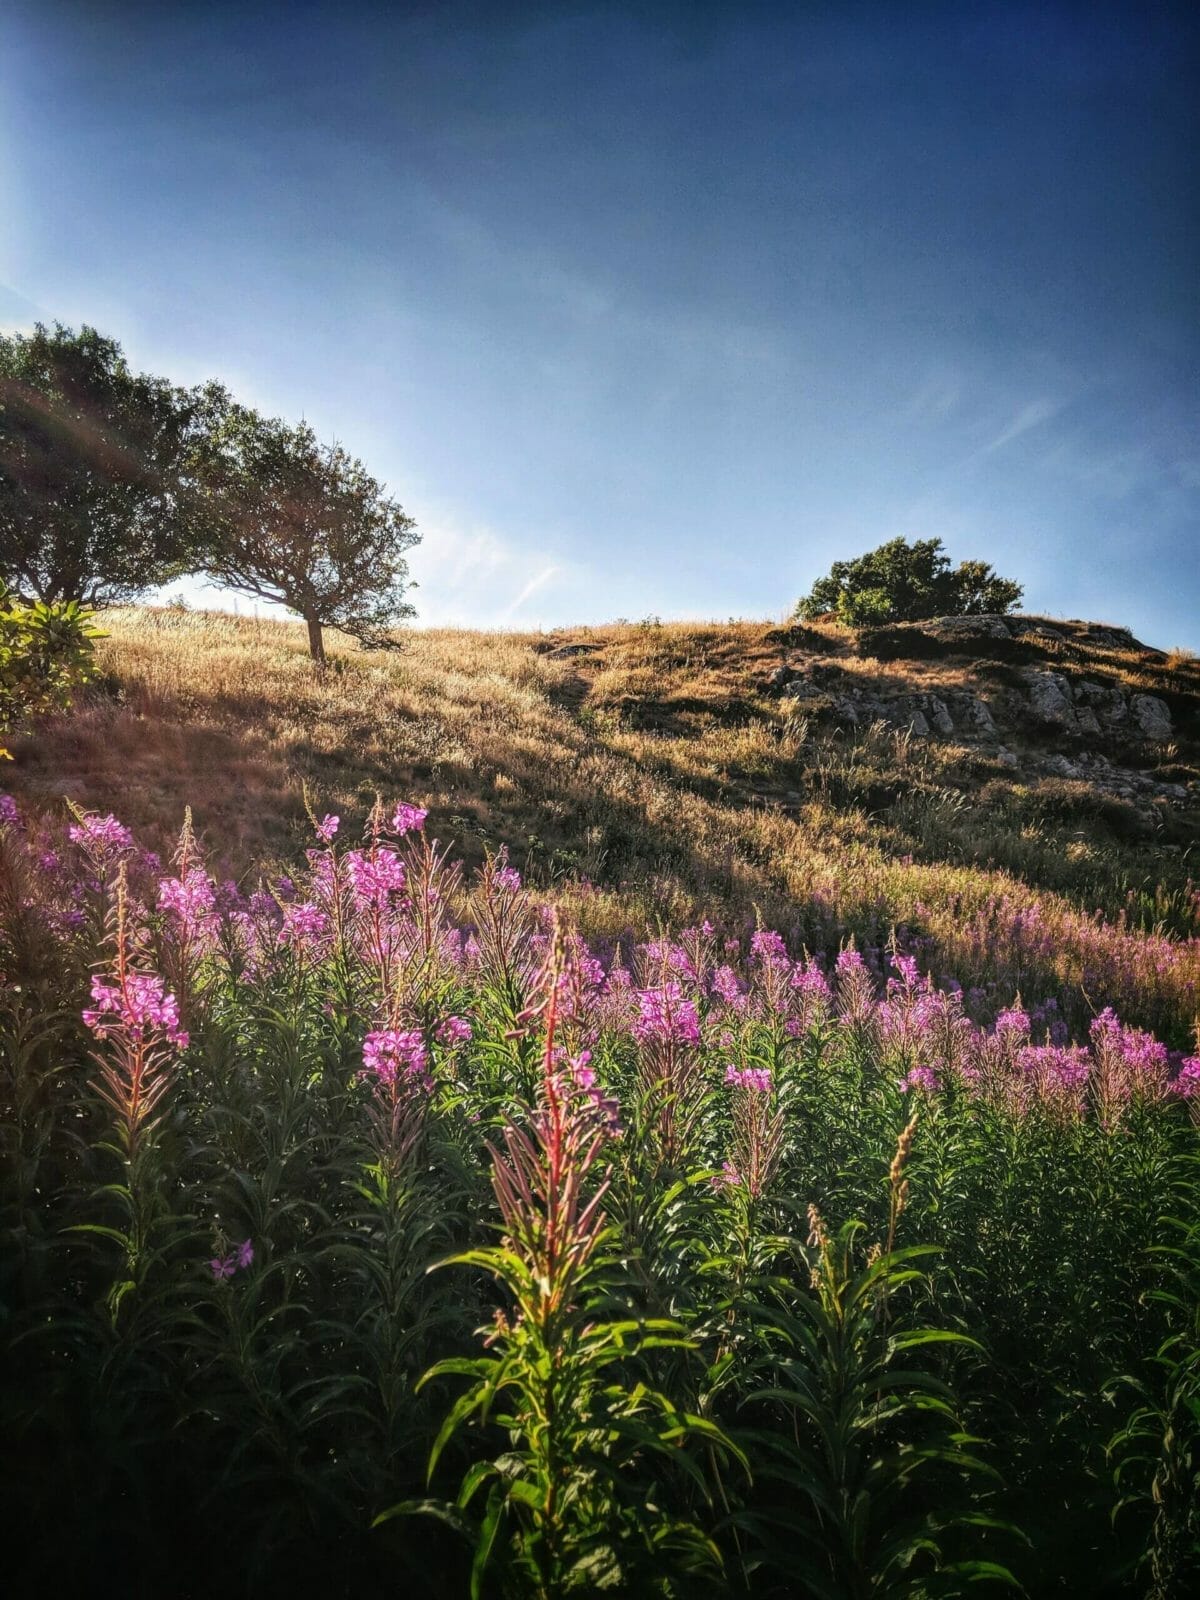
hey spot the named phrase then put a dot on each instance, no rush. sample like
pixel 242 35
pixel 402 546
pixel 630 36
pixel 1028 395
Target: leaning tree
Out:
pixel 91 498
pixel 303 524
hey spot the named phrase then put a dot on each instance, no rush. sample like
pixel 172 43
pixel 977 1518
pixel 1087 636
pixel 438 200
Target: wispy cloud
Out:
pixel 538 581
pixel 934 401
pixel 1029 416
pixel 473 576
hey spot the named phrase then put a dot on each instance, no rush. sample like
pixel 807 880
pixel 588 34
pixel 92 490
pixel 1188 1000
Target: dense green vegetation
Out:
pixel 903 582
pixel 756 1273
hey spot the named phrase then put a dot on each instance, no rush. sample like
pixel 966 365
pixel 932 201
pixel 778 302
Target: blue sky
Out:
pixel 657 309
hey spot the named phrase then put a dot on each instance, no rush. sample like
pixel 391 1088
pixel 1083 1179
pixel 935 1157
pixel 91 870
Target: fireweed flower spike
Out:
pixel 408 819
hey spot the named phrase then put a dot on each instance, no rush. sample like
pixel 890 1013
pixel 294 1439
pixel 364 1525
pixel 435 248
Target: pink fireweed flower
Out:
pixel 507 879
pixel 454 1031
pixel 1014 1022
pixel 375 875
pixel 923 1078
pixel 583 1076
pixel 726 985
pixel 139 1006
pixel 9 815
pixel 1187 1080
pixel 237 1259
pixel 408 819
pixel 304 928
pixel 396 1055
pixel 104 838
pixel 810 980
pixel 768 947
pixel 327 827
pixel 908 970
pixel 728 1177
pixel 191 901
pixel 756 1079
pixel 664 1016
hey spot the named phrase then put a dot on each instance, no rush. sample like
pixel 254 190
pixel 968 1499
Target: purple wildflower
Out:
pixel 392 1055
pixel 454 1031
pixel 408 819
pixel 375 875
pixel 138 1007
pixel 665 1016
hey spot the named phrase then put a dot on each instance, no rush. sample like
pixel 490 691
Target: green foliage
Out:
pixel 289 520
pixel 91 454
pixel 221 1329
pixel 46 653
pixel 1158 1448
pixel 903 582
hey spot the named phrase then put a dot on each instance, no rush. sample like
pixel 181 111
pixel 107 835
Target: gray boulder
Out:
pixel 1151 716
pixel 1027 627
pixel 1050 698
pixel 939 715
pixel 961 630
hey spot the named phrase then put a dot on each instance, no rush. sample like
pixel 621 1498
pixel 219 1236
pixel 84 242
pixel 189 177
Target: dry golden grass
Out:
pixel 651 775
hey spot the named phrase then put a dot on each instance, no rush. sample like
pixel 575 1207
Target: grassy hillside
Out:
pixel 647 771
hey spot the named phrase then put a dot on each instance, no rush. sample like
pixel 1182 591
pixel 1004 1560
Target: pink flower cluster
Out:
pixel 239 1258
pixel 305 928
pixel 665 1017
pixel 757 1079
pixel 454 1031
pixel 138 1006
pixel 104 838
pixel 375 875
pixel 392 1056
pixel 191 901
pixel 408 819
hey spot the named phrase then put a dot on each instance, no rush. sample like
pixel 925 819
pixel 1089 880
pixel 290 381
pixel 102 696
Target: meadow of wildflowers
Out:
pixel 365 1225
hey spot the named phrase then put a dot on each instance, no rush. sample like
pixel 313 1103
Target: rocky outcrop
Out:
pixel 1048 696
pixel 1038 701
pixel 961 630
pixel 1151 716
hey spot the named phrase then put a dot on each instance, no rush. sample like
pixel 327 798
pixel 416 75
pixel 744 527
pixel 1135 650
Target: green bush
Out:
pixel 902 582
pixel 46 652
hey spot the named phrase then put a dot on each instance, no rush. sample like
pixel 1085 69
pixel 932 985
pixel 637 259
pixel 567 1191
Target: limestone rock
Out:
pixel 1061 767
pixel 939 715
pixel 961 630
pixel 1050 698
pixel 1027 627
pixel 1151 715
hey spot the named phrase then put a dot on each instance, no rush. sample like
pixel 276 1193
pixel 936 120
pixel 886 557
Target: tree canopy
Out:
pixel 90 458
pixel 288 519
pixel 903 582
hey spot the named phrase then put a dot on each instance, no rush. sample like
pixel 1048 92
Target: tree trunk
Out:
pixel 316 642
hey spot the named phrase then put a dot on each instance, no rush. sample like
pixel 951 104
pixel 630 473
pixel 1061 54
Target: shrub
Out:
pixel 902 582
pixel 45 654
